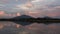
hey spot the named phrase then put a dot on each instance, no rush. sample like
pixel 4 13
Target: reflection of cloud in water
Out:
pixel 1 26
pixel 34 28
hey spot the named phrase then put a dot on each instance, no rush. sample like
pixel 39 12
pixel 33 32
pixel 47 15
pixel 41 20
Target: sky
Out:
pixel 35 8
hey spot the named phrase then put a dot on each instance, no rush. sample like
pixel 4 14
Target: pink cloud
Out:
pixel 2 13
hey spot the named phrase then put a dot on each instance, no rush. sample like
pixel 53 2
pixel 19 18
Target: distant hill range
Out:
pixel 30 20
pixel 30 17
pixel 22 16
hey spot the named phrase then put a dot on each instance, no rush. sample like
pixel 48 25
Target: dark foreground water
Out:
pixel 7 27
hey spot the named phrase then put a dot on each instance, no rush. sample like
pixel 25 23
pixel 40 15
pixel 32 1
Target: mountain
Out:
pixel 22 16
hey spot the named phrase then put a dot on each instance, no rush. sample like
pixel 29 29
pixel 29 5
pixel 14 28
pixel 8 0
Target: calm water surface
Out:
pixel 7 27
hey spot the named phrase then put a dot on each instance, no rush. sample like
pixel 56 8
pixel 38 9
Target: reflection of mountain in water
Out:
pixel 23 23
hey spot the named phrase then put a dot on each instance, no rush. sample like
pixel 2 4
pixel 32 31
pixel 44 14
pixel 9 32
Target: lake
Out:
pixel 7 27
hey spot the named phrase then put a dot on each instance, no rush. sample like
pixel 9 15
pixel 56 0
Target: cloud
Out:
pixel 46 7
pixel 37 0
pixel 2 5
pixel 3 1
pixel 35 13
pixel 41 7
pixel 26 6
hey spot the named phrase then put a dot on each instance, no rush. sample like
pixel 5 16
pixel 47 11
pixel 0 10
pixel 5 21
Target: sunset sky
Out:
pixel 35 8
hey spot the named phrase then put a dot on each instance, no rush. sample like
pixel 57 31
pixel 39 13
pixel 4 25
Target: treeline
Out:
pixel 36 20
pixel 33 20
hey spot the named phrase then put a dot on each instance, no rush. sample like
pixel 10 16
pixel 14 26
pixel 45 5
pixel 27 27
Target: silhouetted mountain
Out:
pixel 30 20
pixel 47 18
pixel 22 16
